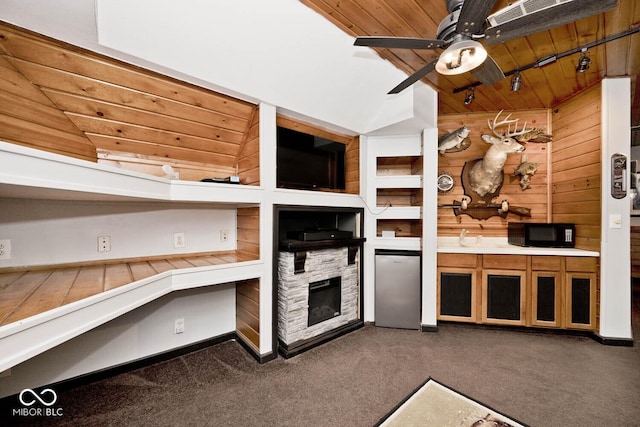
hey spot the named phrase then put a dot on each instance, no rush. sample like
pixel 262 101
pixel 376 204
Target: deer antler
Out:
pixel 506 121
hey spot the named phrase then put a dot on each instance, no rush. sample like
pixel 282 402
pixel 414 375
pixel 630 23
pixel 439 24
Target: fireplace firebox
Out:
pixel 324 300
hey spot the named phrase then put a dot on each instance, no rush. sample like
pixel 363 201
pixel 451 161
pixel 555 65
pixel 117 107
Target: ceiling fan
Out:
pixel 469 21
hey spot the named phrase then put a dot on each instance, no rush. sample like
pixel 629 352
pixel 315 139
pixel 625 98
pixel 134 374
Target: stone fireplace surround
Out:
pixel 294 259
pixel 320 263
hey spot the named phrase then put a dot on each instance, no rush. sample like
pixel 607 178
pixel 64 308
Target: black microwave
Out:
pixel 541 234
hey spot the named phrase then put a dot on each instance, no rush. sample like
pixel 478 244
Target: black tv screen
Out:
pixel 308 161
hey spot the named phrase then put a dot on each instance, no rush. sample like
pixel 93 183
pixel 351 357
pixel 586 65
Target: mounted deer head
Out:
pixel 486 175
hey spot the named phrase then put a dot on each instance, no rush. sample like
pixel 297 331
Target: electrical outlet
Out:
pixel 179 240
pixel 179 326
pixel 104 243
pixel 5 249
pixel 224 235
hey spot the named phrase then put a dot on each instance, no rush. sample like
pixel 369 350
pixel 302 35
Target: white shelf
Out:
pixel 398 181
pixel 36 174
pixel 24 339
pixel 400 243
pixel 400 212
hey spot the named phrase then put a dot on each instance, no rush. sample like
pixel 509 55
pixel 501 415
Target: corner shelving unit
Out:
pixel 398 196
pixel 34 174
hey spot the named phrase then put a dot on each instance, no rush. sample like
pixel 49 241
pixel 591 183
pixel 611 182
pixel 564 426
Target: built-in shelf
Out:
pixel 138 283
pixel 92 294
pixel 29 173
pixel 401 243
pixel 400 212
pixel 398 181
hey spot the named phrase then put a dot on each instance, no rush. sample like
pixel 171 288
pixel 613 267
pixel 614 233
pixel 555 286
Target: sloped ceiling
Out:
pixel 355 81
pixel 542 87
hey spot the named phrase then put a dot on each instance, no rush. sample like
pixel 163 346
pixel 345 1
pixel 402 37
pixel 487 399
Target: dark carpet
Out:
pixel 541 379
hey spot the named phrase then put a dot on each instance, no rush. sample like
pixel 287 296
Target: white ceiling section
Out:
pixel 276 51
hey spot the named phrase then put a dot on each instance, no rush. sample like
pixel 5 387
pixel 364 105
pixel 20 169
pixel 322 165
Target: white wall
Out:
pixel 615 268
pixel 54 232
pixel 207 312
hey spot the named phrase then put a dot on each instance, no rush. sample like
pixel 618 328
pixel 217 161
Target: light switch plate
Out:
pixel 615 221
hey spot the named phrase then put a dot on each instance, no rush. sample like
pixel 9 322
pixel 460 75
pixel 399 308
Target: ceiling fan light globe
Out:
pixel 460 57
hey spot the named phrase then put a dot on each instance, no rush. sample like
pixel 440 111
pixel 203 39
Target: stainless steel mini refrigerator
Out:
pixel 398 289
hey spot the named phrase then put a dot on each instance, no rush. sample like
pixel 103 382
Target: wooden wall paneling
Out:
pixel 119 108
pixel 398 197
pixel 66 82
pixel 248 161
pixel 537 198
pixel 123 113
pixel 28 117
pixel 248 223
pixel 248 311
pixel 401 227
pixel 46 51
pixel 152 165
pixel 400 165
pixel 352 166
pixel 576 166
pixel 635 251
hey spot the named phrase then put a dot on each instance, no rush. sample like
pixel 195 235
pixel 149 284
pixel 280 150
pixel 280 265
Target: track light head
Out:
pixel 583 62
pixel 469 96
pixel 516 81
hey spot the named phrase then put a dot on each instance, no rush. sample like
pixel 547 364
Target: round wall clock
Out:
pixel 445 183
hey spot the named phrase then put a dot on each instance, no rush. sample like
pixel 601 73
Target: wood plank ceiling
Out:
pixel 92 104
pixel 542 87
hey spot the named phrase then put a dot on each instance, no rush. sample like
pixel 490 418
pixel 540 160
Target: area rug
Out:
pixel 434 404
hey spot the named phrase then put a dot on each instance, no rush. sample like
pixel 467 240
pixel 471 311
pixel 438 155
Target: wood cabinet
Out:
pixel 546 299
pixel 457 291
pixel 503 297
pixel 546 291
pixel 581 293
pixel 457 295
pixel 520 290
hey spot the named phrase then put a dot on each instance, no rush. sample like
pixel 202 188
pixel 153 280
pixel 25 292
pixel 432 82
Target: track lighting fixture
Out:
pixel 516 81
pixel 469 96
pixel 583 62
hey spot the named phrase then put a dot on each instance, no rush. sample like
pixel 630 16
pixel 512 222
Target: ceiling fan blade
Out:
pixel 399 42
pixel 473 16
pixel 545 19
pixel 414 77
pixel 488 73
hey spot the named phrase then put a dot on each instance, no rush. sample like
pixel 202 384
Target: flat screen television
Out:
pixel 309 162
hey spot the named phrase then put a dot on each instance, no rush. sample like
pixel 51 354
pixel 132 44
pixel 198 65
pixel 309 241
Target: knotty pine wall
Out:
pixel 28 117
pixel 249 231
pixel 537 198
pixel 248 291
pixel 635 252
pixel 67 100
pixel 248 310
pixel 576 166
pixel 248 160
